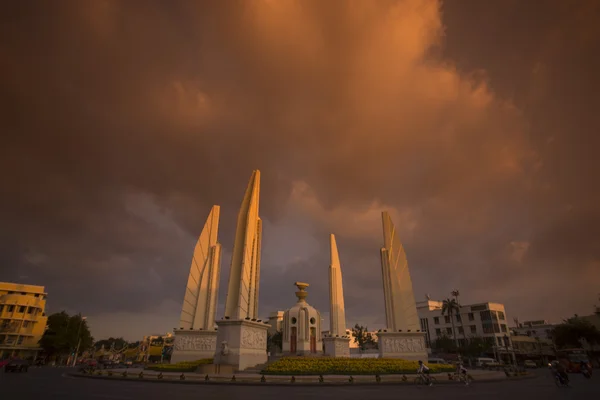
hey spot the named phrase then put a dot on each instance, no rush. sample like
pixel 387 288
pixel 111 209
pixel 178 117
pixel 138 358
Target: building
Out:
pixel 540 329
pixel 485 320
pixel 22 319
pixel 275 322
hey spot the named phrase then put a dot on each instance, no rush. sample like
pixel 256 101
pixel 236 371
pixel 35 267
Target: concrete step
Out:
pixel 257 368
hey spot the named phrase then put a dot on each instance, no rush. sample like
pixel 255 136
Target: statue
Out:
pixel 224 348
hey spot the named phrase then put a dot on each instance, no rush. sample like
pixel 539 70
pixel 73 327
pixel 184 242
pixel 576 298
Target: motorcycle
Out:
pixel 561 380
pixel 587 373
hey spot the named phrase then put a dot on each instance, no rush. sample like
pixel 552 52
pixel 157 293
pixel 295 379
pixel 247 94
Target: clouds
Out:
pixel 127 121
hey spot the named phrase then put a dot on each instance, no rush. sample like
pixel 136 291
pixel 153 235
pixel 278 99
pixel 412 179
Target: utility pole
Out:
pixel 78 338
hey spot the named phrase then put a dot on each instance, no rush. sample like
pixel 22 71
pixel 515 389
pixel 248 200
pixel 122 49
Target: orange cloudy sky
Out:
pixel 473 122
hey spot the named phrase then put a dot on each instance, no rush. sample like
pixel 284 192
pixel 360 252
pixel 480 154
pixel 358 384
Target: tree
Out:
pixel 456 294
pixel 476 346
pixel 451 308
pixel 573 330
pixel 275 340
pixel 64 333
pixel 445 344
pixel 363 337
pixel 111 343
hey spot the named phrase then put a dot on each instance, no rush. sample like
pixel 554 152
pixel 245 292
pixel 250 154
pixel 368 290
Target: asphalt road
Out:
pixel 51 383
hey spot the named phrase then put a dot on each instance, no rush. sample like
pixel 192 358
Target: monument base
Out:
pixel 215 369
pixel 337 346
pixel 405 345
pixel 241 343
pixel 193 345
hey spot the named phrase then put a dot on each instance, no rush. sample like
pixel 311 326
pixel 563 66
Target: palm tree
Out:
pixel 456 293
pixel 451 307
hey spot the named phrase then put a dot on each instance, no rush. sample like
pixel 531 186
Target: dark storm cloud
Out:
pixel 474 124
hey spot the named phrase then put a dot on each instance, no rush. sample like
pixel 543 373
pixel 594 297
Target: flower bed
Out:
pixel 184 366
pixel 347 366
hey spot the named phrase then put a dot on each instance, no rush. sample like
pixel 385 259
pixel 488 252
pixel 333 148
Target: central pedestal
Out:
pixel 193 345
pixel 405 345
pixel 337 346
pixel 241 343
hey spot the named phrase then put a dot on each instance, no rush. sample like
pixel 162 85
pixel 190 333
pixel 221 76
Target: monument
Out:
pixel 241 338
pixel 337 344
pixel 302 327
pixel 196 336
pixel 402 338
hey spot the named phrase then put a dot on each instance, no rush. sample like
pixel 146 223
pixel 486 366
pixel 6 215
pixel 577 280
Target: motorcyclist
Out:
pixel 560 371
pixel 584 367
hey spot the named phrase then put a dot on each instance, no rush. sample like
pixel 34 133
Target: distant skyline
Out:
pixel 474 123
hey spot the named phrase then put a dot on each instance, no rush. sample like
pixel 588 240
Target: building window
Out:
pixel 473 329
pixel 438 332
pixel 447 319
pixel 496 328
pixel 22 309
pixel 488 328
pixel 11 308
pixel 30 310
pixel 504 328
pixel 501 315
pixel 458 318
pixel 436 320
pixel 461 330
pixel 20 340
pixel 485 315
pixel 471 316
pixel 449 331
pixel 1 307
pixel 25 324
pixel 499 341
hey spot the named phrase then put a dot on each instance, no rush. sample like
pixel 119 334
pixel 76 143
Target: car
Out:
pixel 17 366
pixel 437 361
pixel 529 364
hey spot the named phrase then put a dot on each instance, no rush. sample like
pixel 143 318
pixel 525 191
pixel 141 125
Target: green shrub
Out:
pixel 184 366
pixel 347 366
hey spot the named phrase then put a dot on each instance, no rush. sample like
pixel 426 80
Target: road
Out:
pixel 51 383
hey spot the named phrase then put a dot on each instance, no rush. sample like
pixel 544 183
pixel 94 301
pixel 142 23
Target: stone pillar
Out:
pixel 241 343
pixel 405 345
pixel 337 346
pixel 192 345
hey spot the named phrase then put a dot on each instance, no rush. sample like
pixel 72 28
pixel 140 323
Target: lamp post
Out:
pixel 78 339
pixel 506 345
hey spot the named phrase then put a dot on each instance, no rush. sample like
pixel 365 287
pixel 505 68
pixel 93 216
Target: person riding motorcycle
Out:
pixel 585 369
pixel 559 370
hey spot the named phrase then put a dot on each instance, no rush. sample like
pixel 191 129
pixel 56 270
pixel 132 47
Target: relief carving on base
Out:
pixel 403 345
pixel 195 343
pixel 253 338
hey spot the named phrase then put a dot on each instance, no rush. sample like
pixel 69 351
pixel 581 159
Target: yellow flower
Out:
pixel 346 366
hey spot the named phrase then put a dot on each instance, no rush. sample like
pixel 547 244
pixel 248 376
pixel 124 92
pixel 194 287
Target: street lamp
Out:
pixel 78 339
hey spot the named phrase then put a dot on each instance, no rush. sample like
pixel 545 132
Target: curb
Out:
pixel 280 383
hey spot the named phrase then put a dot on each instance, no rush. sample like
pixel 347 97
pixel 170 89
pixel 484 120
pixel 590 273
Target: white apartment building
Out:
pixel 486 320
pixel 540 329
